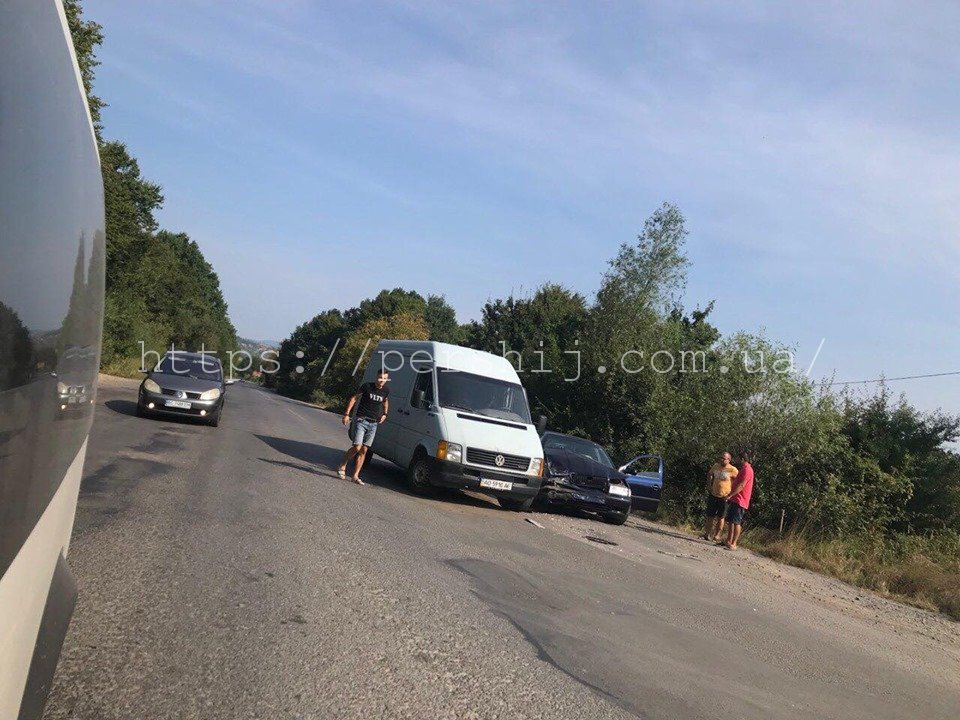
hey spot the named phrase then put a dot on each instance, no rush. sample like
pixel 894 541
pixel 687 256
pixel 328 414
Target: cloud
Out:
pixel 815 140
pixel 517 86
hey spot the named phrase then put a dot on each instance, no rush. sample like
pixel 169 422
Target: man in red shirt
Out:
pixel 738 501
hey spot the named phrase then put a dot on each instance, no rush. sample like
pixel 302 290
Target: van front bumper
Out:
pixel 466 477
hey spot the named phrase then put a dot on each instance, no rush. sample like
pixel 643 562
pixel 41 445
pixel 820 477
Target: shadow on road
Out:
pixel 123 407
pixel 324 460
pixel 128 407
pixel 668 533
pixel 312 469
pixel 320 455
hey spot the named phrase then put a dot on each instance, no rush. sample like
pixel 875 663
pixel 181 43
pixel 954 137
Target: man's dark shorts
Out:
pixel 716 506
pixel 735 514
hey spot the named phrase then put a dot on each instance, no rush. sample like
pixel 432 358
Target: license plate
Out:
pixel 177 404
pixel 496 484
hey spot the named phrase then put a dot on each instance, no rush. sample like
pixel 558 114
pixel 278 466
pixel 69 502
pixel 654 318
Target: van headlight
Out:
pixel 210 394
pixel 150 386
pixel 536 467
pixel 449 451
pixel 63 388
pixel 621 490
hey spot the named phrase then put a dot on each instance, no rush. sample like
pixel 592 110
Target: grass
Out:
pixel 125 367
pixel 921 570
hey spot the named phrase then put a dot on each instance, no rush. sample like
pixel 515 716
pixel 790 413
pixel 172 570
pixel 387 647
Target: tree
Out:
pixel 316 340
pixel 16 350
pixel 159 289
pixel 386 304
pixel 540 335
pixel 357 349
pixel 652 273
pixel 130 202
pixel 441 320
pixel 87 35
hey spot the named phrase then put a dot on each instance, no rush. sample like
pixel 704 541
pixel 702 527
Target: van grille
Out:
pixel 489 458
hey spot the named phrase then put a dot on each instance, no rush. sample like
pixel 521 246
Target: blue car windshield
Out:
pixel 579 446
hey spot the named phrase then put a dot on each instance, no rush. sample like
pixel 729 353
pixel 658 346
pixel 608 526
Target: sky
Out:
pixel 319 152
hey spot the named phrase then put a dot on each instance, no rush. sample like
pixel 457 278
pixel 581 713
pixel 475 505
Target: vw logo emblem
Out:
pixel 499 460
pixel 181 394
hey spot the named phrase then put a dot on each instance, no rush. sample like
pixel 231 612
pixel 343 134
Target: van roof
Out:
pixel 452 357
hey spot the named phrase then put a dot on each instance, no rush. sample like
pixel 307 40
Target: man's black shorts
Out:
pixel 735 514
pixel 716 506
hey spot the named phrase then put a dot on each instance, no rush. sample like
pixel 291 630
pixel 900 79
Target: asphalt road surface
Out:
pixel 228 573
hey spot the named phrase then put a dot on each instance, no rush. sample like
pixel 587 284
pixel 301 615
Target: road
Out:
pixel 228 573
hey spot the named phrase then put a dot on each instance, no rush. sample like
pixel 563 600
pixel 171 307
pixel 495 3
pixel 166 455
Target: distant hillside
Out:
pixel 256 347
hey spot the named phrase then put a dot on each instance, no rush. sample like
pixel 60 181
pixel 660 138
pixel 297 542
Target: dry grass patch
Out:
pixel 921 570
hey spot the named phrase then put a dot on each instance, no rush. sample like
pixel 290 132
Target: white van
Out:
pixel 458 418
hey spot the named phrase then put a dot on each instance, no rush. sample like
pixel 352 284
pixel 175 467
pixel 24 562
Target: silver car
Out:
pixel 185 384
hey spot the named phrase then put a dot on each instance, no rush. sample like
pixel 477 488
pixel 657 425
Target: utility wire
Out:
pixel 905 377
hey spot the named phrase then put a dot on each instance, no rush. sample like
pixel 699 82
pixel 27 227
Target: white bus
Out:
pixel 51 308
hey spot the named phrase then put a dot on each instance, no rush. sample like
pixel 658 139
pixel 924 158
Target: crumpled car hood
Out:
pixel 579 469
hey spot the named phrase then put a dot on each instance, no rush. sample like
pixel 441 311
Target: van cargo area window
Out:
pixel 481 395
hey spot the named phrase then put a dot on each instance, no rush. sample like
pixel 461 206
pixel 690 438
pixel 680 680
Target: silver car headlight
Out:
pixel 150 386
pixel 210 394
pixel 621 490
pixel 63 388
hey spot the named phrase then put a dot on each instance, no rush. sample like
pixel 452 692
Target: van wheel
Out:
pixel 516 505
pixel 418 474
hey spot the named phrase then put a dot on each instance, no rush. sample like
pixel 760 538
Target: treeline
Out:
pixel 318 360
pixel 159 288
pixel 637 372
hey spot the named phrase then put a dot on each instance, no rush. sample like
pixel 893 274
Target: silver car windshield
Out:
pixel 195 367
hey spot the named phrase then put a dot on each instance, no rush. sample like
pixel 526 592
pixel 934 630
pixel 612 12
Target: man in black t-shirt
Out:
pixel 372 406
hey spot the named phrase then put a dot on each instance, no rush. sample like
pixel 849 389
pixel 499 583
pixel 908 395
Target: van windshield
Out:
pixel 482 395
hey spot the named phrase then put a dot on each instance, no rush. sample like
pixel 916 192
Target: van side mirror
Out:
pixel 418 398
pixel 541 425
